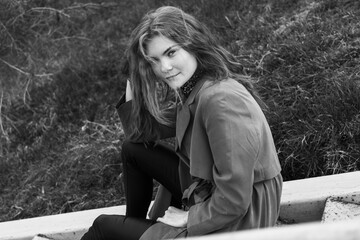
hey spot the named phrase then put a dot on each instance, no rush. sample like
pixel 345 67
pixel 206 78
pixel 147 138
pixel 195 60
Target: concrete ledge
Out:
pixel 344 230
pixel 61 226
pixel 302 201
pixel 342 208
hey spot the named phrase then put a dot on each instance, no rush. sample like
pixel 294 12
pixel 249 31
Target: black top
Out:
pixel 190 84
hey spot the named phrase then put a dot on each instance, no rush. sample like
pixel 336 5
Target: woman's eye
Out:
pixel 171 53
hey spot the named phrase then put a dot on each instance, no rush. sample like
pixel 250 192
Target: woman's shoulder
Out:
pixel 215 95
pixel 224 87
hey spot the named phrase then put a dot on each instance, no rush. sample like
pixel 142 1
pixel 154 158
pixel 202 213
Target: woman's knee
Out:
pixel 126 150
pixel 131 152
pixel 129 147
pixel 126 145
pixel 100 221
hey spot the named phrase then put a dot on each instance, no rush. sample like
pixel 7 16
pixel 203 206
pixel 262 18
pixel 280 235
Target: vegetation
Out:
pixel 60 64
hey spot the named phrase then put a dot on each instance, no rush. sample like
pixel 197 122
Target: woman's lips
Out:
pixel 172 76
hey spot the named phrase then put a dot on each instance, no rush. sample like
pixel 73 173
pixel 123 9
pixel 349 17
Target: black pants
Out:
pixel 141 164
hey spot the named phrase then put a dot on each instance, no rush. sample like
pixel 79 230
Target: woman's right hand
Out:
pixel 128 93
pixel 175 217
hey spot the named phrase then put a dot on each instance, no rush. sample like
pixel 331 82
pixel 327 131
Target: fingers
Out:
pixel 168 215
pixel 170 209
pixel 174 217
pixel 173 209
pixel 128 93
pixel 164 220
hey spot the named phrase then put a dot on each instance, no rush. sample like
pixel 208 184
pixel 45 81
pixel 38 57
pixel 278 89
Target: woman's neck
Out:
pixel 190 84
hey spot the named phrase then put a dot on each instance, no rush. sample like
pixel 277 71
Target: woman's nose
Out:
pixel 165 66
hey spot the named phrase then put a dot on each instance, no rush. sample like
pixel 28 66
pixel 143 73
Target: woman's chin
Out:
pixel 175 85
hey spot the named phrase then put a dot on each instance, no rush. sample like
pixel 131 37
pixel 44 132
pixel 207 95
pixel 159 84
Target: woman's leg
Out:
pixel 142 164
pixel 117 227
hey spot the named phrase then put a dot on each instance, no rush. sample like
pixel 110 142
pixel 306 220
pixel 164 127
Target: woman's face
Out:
pixel 171 62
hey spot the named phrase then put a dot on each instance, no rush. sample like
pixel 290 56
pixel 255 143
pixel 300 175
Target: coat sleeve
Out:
pixel 230 128
pixel 160 131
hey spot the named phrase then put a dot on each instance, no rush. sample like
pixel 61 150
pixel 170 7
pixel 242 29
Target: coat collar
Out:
pixel 184 114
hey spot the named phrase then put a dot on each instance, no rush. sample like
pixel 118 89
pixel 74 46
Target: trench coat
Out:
pixel 221 136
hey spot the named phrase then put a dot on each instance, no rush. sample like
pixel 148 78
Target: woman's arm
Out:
pixel 232 137
pixel 124 110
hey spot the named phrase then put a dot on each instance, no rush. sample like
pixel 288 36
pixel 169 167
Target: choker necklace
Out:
pixel 190 84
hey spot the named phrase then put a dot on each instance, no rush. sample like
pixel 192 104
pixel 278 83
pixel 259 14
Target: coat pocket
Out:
pixel 199 191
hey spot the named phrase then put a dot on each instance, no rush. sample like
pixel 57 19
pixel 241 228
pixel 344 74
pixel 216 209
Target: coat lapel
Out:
pixel 182 121
pixel 184 114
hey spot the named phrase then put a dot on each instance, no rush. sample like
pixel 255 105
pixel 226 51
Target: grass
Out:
pixel 60 78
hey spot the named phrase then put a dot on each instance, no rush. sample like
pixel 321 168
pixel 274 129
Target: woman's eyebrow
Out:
pixel 169 48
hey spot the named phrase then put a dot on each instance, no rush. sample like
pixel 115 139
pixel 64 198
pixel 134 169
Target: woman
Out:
pixel 224 174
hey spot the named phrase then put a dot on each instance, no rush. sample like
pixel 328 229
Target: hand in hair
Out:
pixel 129 93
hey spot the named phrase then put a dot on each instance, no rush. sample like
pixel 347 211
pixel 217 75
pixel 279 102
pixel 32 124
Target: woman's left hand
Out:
pixel 175 217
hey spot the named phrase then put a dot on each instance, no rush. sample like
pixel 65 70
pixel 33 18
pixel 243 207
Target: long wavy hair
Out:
pixel 194 37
